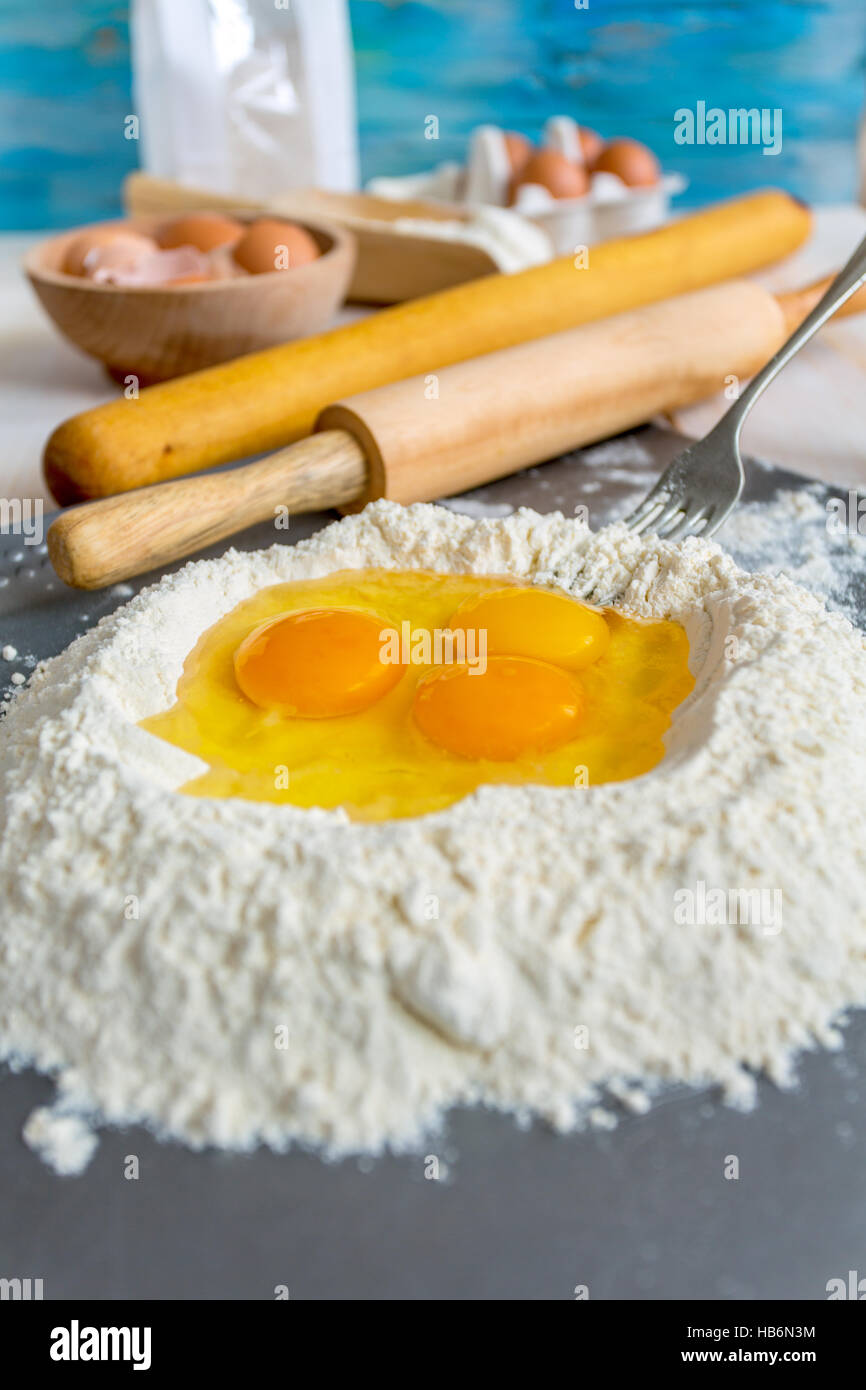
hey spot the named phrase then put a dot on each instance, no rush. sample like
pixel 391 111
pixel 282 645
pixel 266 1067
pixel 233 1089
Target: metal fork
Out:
pixel 701 487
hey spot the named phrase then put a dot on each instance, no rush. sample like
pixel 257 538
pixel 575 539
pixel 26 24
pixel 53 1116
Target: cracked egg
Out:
pixel 394 694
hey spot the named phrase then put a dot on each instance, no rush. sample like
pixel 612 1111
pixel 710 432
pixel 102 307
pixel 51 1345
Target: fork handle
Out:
pixel 847 282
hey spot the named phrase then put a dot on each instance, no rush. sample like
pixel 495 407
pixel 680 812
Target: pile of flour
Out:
pixel 235 973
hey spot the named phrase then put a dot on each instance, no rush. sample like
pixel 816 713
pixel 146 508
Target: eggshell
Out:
pixel 517 148
pixel 551 170
pixel 263 247
pixel 182 265
pixel 631 161
pixel 128 247
pixel 203 230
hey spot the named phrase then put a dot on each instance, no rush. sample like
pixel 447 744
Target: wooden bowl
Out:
pixel 157 332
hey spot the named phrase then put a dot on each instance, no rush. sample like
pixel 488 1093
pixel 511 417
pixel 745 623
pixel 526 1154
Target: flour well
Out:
pixel 236 973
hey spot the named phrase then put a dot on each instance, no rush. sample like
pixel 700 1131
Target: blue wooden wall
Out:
pixel 621 66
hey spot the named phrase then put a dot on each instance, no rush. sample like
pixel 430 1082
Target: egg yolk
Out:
pixel 515 706
pixel 317 664
pixel 537 623
pixel 360 690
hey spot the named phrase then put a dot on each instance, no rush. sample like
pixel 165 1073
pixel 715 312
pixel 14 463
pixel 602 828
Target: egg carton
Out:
pixel 610 208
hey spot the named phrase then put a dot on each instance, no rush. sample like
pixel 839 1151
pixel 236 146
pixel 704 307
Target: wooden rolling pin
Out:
pixel 433 435
pixel 266 400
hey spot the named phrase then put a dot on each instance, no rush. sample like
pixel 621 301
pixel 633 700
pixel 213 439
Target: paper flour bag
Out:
pixel 246 96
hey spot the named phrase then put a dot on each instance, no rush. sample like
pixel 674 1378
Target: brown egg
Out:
pixel 203 230
pixel 128 246
pixel 560 176
pixel 633 162
pixel 591 144
pixel 517 148
pixel 272 245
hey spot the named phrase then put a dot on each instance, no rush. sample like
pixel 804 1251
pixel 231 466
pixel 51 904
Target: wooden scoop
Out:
pixel 433 435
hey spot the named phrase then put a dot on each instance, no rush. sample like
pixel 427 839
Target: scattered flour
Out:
pixel 620 461
pixel 235 973
pixel 790 535
pixel 64 1141
pixel 627 450
pixel 472 506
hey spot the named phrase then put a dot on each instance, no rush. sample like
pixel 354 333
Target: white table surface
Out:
pixel 813 420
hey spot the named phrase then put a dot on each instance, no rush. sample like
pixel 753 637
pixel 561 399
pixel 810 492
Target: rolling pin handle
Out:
pixel 101 543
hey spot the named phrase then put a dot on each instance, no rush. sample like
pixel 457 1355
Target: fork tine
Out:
pixel 669 518
pixel 686 498
pixel 646 524
pixel 718 516
pixel 647 507
pixel 646 515
pixel 658 494
pixel 687 526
